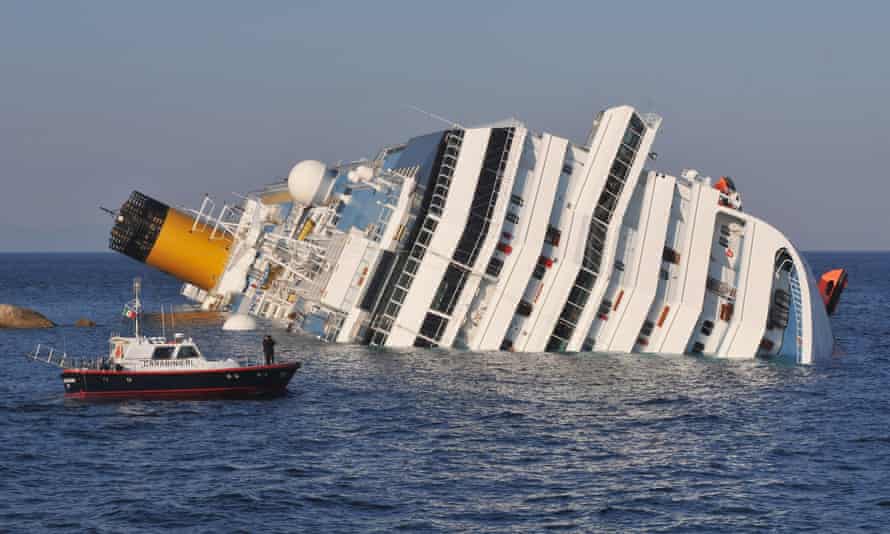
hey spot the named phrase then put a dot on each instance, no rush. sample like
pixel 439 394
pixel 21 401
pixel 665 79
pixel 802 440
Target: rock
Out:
pixel 16 317
pixel 85 323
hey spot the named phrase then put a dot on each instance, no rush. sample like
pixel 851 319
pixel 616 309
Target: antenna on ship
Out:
pixel 137 285
pixel 434 116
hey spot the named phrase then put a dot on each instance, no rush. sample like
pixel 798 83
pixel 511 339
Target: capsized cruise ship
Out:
pixel 499 238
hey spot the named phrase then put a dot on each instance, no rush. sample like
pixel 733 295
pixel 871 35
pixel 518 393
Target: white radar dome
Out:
pixel 309 182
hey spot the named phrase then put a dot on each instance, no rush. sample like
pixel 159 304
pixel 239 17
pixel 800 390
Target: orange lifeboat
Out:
pixel 725 185
pixel 831 285
pixel 730 197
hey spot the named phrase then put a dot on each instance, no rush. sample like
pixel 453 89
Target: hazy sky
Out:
pixel 181 98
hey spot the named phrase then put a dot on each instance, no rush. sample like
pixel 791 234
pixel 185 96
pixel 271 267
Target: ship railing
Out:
pixel 49 355
pixel 207 204
pixel 219 226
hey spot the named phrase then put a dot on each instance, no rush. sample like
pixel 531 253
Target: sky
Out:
pixel 179 99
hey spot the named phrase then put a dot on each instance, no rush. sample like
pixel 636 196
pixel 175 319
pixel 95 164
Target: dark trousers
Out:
pixel 269 358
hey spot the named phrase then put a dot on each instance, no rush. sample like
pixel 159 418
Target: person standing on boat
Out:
pixel 269 349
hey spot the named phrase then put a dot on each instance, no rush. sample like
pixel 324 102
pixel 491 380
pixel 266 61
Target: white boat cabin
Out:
pixel 159 353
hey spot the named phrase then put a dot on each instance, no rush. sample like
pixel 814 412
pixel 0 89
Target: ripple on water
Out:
pixel 442 441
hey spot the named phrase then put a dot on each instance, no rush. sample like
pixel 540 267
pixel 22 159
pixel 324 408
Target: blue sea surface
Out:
pixel 442 441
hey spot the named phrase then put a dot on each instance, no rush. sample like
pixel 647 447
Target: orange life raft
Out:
pixel 831 285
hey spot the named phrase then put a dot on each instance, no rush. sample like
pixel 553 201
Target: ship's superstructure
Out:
pixel 498 238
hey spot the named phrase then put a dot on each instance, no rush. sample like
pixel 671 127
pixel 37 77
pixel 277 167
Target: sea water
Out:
pixel 440 440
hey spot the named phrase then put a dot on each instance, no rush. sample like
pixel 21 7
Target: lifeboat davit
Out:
pixel 831 285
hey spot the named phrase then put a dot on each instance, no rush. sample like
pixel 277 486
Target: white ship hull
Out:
pixel 498 238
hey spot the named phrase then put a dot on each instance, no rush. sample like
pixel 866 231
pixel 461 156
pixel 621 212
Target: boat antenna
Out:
pixel 437 117
pixel 163 324
pixel 113 213
pixel 137 285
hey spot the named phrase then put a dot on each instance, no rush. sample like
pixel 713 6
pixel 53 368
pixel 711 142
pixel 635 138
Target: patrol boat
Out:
pixel 156 367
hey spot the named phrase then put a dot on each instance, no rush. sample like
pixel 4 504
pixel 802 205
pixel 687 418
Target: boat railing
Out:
pixel 250 361
pixel 49 355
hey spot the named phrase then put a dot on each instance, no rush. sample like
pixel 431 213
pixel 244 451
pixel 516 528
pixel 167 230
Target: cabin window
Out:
pixel 512 217
pixel 539 271
pixel 670 255
pixel 631 139
pixel 433 326
pixel 571 313
pixel 603 214
pixel 585 278
pixel 524 308
pixel 424 238
pixel 398 295
pixel 562 331
pixel 423 343
pixel 405 280
pixel 619 170
pixel 636 124
pixel 494 267
pixel 625 154
pixel 556 345
pixel 516 199
pixel 578 296
pixel 553 235
pixel 613 186
pixel 448 292
pixel 608 201
pixel 187 351
pixel 707 327
pixel 162 353
pixel 417 252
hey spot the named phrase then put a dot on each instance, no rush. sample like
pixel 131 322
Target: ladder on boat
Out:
pixel 796 302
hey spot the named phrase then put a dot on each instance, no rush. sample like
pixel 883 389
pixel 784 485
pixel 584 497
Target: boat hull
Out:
pixel 237 382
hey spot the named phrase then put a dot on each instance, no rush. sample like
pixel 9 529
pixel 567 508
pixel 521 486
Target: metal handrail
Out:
pixel 51 356
pixel 48 355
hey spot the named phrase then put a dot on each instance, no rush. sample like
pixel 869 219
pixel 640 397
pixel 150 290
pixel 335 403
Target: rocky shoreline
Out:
pixel 17 317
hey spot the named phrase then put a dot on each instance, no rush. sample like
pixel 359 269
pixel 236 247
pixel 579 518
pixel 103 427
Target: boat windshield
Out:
pixel 187 351
pixel 162 353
